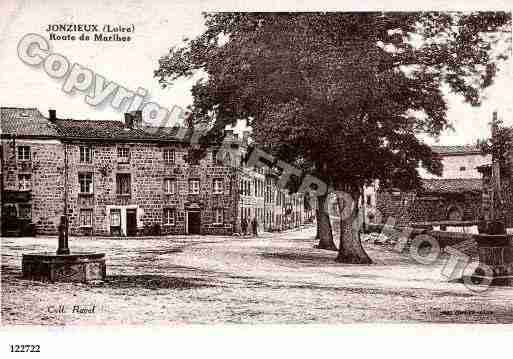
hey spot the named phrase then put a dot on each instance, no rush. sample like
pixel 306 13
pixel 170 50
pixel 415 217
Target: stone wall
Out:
pixel 147 170
pixel 459 166
pixel 46 168
pixel 396 205
pixel 408 207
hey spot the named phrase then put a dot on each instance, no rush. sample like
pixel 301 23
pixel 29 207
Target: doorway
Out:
pixel 454 214
pixel 193 222
pixel 131 222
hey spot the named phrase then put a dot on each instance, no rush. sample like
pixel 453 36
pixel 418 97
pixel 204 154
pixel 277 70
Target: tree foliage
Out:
pixel 499 146
pixel 350 90
pixel 347 93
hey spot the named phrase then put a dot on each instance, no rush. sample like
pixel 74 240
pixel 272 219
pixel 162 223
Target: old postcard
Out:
pixel 167 164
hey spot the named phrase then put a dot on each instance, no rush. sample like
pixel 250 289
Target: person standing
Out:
pixel 254 225
pixel 244 226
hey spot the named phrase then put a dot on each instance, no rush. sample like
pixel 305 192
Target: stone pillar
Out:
pixel 63 236
pixel 496 251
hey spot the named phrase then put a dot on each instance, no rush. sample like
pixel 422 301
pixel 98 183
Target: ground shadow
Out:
pixel 159 252
pixel 304 259
pixel 153 281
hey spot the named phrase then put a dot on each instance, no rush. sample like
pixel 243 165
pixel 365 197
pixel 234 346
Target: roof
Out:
pixel 456 150
pixel 452 185
pixel 29 122
pixel 26 122
pixel 88 129
pixel 117 130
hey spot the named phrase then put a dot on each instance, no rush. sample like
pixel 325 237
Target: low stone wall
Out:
pixel 408 207
pixel 449 238
pixel 444 238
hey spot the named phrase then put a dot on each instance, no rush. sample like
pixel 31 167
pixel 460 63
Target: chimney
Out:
pixel 129 121
pixel 133 119
pixel 137 118
pixel 52 114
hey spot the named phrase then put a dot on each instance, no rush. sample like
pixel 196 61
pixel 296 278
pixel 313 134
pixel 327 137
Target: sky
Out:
pixel 158 26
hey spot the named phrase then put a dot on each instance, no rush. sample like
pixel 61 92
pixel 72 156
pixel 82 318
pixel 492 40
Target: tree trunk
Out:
pixel 324 225
pixel 351 250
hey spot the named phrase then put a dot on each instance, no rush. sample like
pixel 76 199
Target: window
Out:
pixel 218 216
pixel 216 156
pixel 24 153
pixel 169 216
pixel 86 218
pixel 86 182
pixel 115 218
pixel 85 154
pixel 123 184
pixel 123 154
pixel 227 159
pixel 218 186
pixel 463 168
pixel 25 211
pixel 169 155
pixel 369 200
pixel 24 182
pixel 194 186
pixel 169 186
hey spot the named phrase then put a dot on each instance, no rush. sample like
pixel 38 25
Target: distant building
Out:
pixel 124 179
pixel 453 196
pixel 459 162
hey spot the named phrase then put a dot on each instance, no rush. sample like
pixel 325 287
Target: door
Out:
pixel 131 222
pixel 115 222
pixel 193 222
pixel 454 214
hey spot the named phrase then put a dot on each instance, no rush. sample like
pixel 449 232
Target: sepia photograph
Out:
pixel 173 164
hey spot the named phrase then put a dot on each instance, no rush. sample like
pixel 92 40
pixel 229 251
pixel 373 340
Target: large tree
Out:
pixel 347 92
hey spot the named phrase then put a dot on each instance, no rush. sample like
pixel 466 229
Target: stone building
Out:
pixel 453 196
pixel 459 162
pixel 125 179
pixel 32 169
pixel 259 195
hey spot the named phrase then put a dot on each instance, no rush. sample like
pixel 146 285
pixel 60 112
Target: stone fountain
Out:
pixel 64 266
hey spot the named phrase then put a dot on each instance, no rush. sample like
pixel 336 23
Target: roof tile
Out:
pixel 26 122
pixel 452 185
